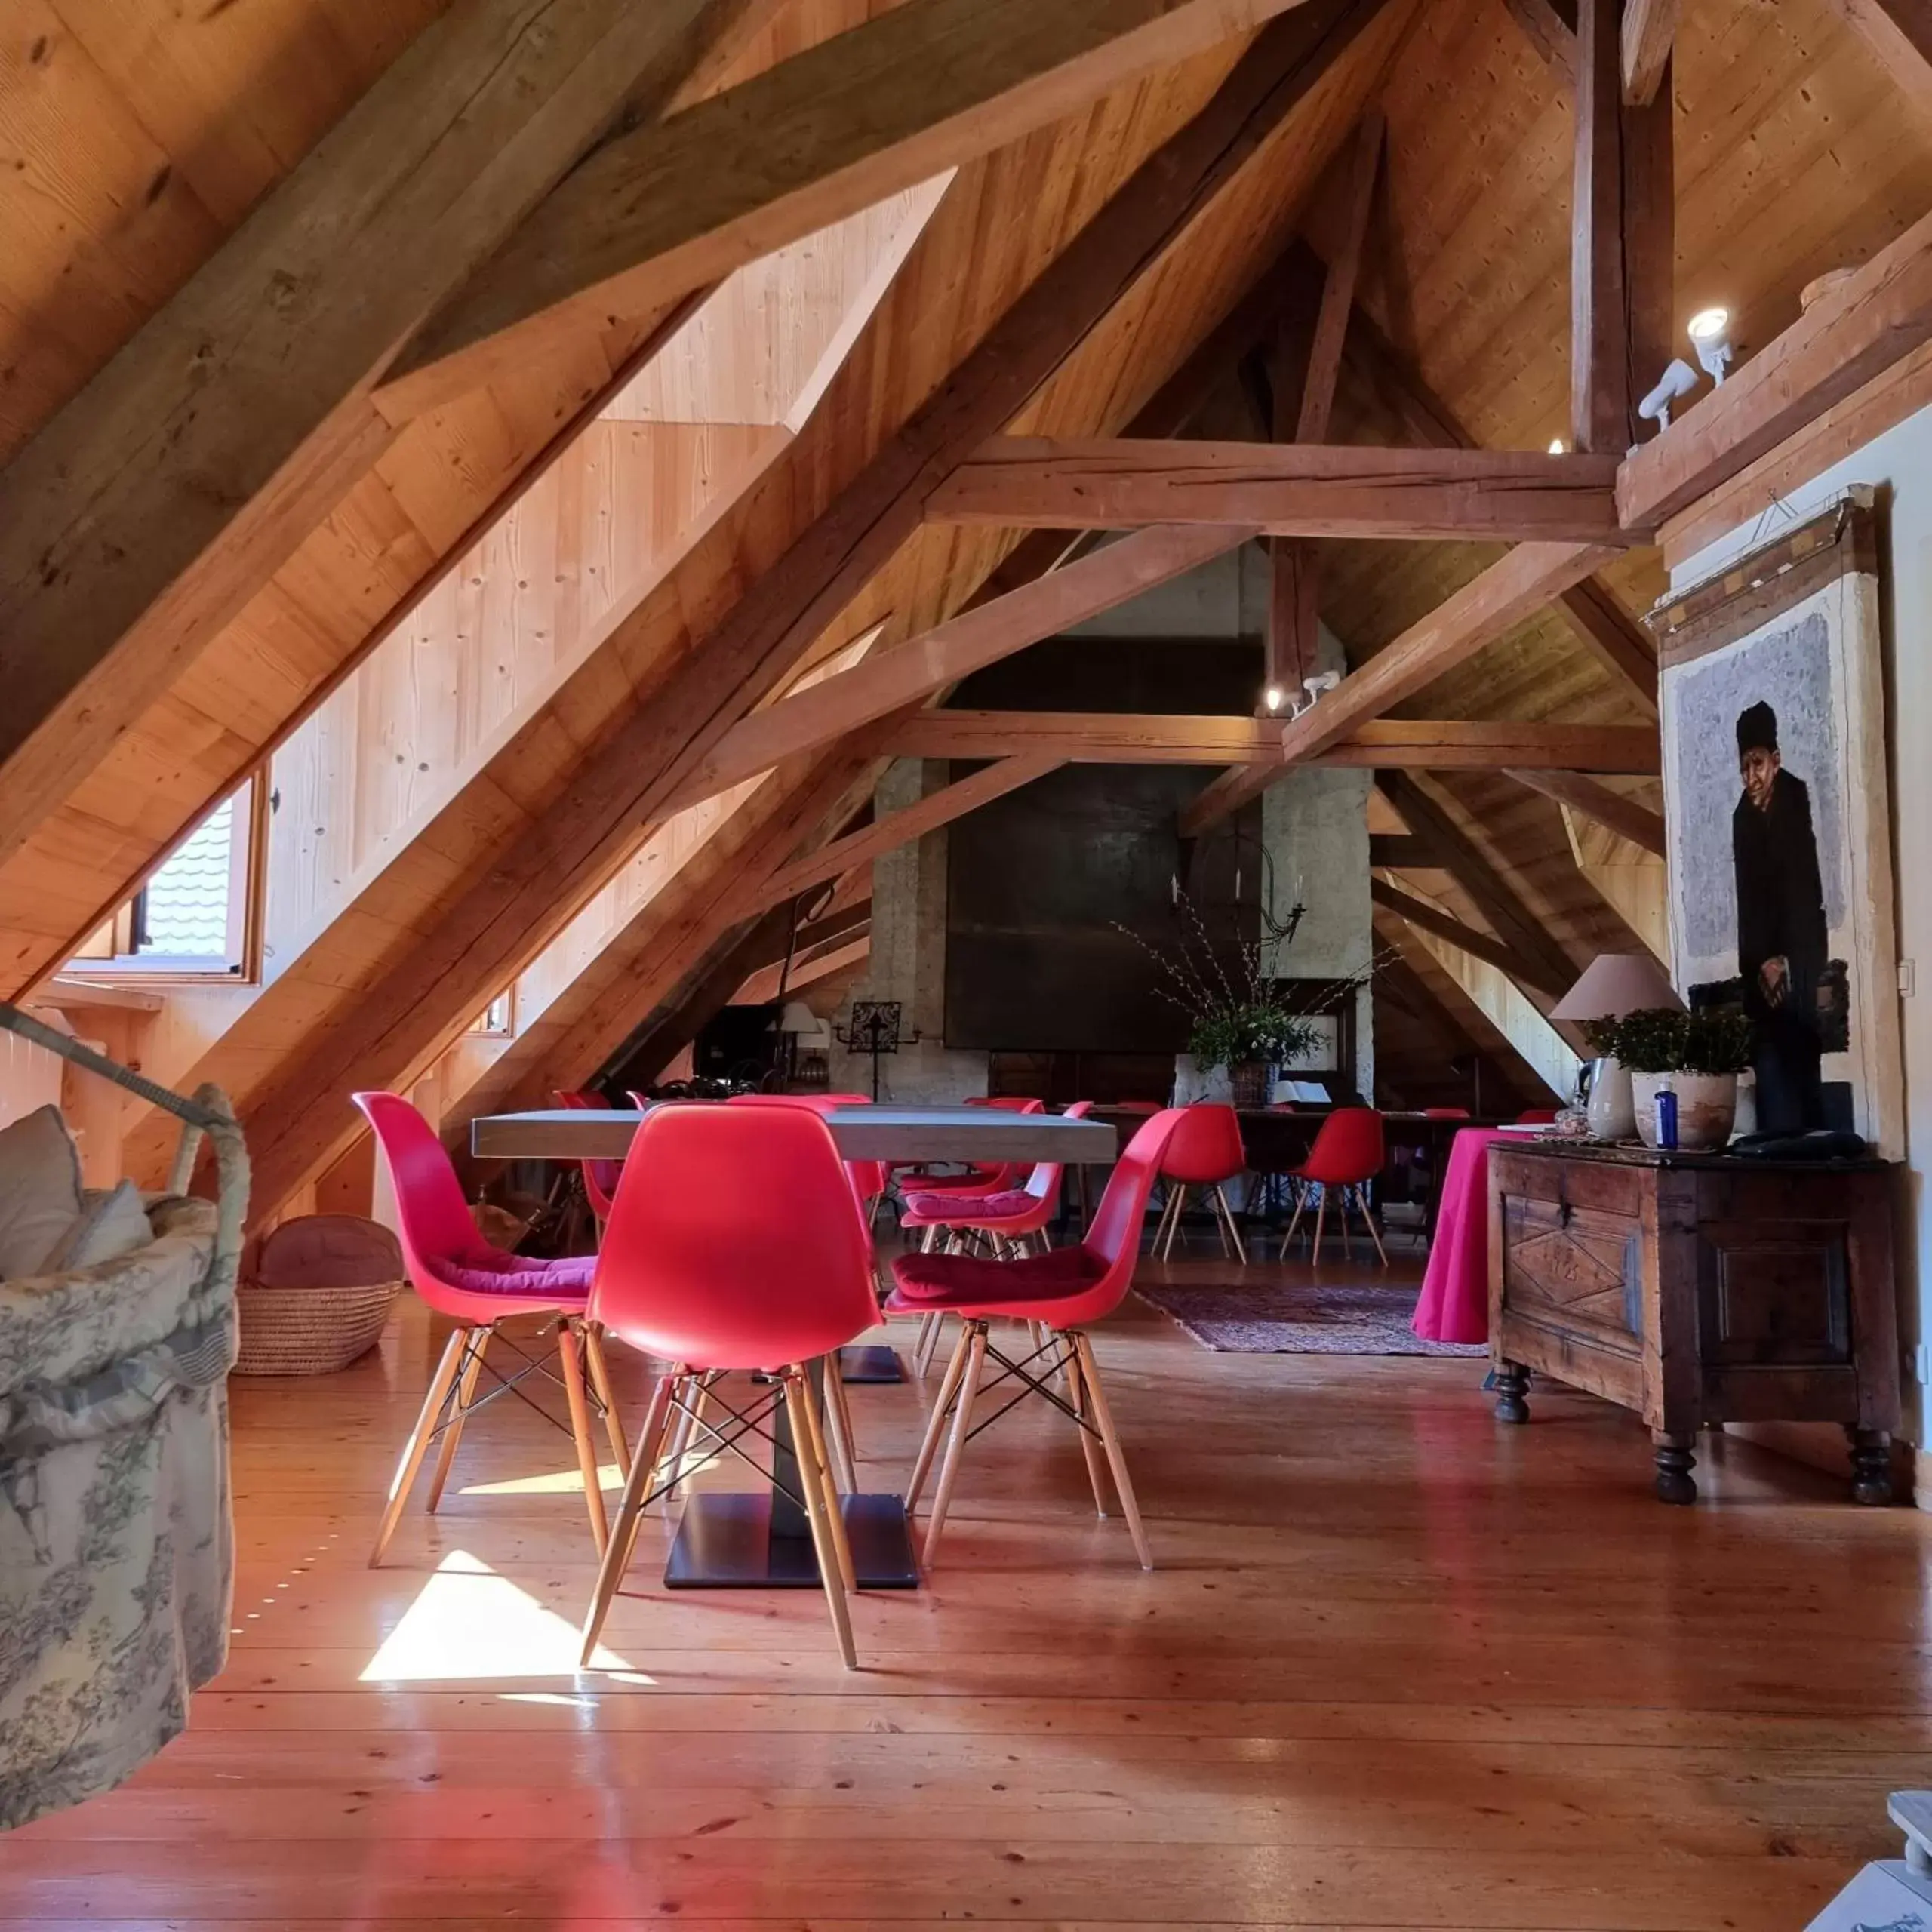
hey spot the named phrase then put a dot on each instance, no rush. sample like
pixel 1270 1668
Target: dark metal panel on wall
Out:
pixel 1039 882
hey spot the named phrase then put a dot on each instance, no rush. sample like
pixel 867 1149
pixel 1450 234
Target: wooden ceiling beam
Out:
pixel 1286 489
pixel 1648 32
pixel 887 680
pixel 1552 30
pixel 1160 738
pixel 1512 919
pixel 760 986
pixel 1628 818
pixel 1399 851
pixel 1293 641
pixel 670 207
pixel 144 514
pixel 516 890
pixel 887 834
pixel 1478 945
pixel 1852 332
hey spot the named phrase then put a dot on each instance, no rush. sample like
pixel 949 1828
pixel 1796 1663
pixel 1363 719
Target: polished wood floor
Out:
pixel 1399 1666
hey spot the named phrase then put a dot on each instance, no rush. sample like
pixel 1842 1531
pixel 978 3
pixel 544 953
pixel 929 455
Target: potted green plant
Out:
pixel 1241 1016
pixel 1698 1055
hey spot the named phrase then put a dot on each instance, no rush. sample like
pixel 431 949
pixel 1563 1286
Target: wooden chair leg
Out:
pixel 962 1424
pixel 936 1423
pixel 814 1483
pixel 816 1415
pixel 569 1354
pixel 1321 1215
pixel 600 1381
pixel 417 1447
pixel 1180 1208
pixel 1076 1387
pixel 1161 1225
pixel 841 1457
pixel 1294 1222
pixel 1233 1227
pixel 478 1340
pixel 1104 1421
pixel 630 1511
pixel 1368 1222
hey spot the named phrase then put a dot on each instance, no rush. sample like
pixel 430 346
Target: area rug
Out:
pixel 1299 1318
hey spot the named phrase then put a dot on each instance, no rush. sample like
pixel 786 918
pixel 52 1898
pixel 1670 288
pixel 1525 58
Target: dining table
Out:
pixel 760 1540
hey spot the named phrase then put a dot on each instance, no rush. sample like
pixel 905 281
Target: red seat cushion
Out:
pixel 958 1280
pixel 566 1277
pixel 949 1207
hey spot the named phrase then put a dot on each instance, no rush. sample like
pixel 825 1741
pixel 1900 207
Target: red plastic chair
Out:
pixel 714 1276
pixel 1537 1117
pixel 600 1177
pixel 460 1275
pixel 1065 1289
pixel 1204 1151
pixel 1348 1154
pixel 1445 1113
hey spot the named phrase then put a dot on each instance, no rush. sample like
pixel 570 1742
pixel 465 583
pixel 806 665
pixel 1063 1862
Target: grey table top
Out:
pixel 884 1133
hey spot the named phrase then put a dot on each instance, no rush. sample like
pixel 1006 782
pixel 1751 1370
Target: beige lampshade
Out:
pixel 797 1018
pixel 1615 983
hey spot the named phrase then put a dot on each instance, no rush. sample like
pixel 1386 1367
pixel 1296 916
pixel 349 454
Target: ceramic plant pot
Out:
pixel 1706 1108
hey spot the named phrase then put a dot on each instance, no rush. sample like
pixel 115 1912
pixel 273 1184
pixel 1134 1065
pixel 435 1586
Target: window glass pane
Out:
pixel 187 901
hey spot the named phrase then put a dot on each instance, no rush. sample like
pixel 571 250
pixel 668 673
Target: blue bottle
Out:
pixel 1666 1119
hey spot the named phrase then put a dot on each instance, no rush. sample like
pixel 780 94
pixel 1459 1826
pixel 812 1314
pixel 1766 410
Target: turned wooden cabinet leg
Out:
pixel 1871 1465
pixel 1675 1459
pixel 1512 1384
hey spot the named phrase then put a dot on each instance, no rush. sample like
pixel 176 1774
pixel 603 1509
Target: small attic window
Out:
pixel 197 914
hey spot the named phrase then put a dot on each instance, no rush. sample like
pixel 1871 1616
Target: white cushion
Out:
pixel 113 1222
pixel 40 1191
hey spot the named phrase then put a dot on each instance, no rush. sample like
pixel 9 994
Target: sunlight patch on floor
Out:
pixel 467 1622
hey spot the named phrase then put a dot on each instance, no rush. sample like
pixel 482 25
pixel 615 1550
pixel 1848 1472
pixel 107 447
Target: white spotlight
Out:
pixel 1709 331
pixel 1272 697
pixel 1679 380
pixel 1556 446
pixel 1322 681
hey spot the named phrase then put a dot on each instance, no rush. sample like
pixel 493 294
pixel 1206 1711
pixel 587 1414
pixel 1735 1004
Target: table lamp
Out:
pixel 1614 984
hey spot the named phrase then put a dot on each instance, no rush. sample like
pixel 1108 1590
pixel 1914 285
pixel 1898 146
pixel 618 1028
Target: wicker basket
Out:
pixel 315 1294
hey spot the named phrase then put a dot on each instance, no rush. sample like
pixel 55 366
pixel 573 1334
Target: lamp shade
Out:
pixel 1615 983
pixel 797 1018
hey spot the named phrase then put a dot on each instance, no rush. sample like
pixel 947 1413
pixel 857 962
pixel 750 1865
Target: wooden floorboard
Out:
pixel 1400 1666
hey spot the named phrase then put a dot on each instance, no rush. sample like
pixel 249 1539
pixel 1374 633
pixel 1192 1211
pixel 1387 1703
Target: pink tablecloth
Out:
pixel 1454 1306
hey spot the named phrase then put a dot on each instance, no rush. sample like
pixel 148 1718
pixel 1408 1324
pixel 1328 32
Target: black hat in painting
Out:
pixel 1757 729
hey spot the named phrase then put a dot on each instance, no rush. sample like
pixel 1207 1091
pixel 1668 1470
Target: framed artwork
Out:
pixel 1772 695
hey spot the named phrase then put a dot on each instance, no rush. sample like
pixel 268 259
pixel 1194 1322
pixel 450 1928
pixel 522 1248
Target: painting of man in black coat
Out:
pixel 1782 946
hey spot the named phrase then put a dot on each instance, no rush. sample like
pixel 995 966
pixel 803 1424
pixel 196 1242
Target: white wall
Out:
pixel 1901 463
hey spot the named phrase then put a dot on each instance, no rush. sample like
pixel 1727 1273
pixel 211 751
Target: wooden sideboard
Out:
pixel 1696 1290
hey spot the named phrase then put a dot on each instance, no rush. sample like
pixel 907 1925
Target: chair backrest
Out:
pixel 868 1177
pixel 703 1269
pixel 1205 1146
pixel 1445 1113
pixel 600 1177
pixel 1348 1148
pixel 1043 1184
pixel 1113 1235
pixel 1008 1104
pixel 436 1222
pixel 1537 1117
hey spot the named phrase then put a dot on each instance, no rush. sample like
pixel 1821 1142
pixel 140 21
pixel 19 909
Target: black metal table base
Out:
pixel 726 1542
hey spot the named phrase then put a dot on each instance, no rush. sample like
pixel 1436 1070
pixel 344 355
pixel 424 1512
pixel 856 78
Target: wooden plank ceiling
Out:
pixel 144 134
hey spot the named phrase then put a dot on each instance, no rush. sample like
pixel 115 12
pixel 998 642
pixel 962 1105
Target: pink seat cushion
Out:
pixel 957 1281
pixel 565 1279
pixel 949 1207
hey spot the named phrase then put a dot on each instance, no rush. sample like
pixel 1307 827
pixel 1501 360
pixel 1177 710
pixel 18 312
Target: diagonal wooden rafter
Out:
pixel 1552 30
pixel 1478 945
pixel 1899 32
pixel 145 513
pixel 888 680
pixel 1624 816
pixel 1514 923
pixel 1288 489
pixel 885 834
pixel 1516 587
pixel 656 212
pixel 501 901
pixel 1649 29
